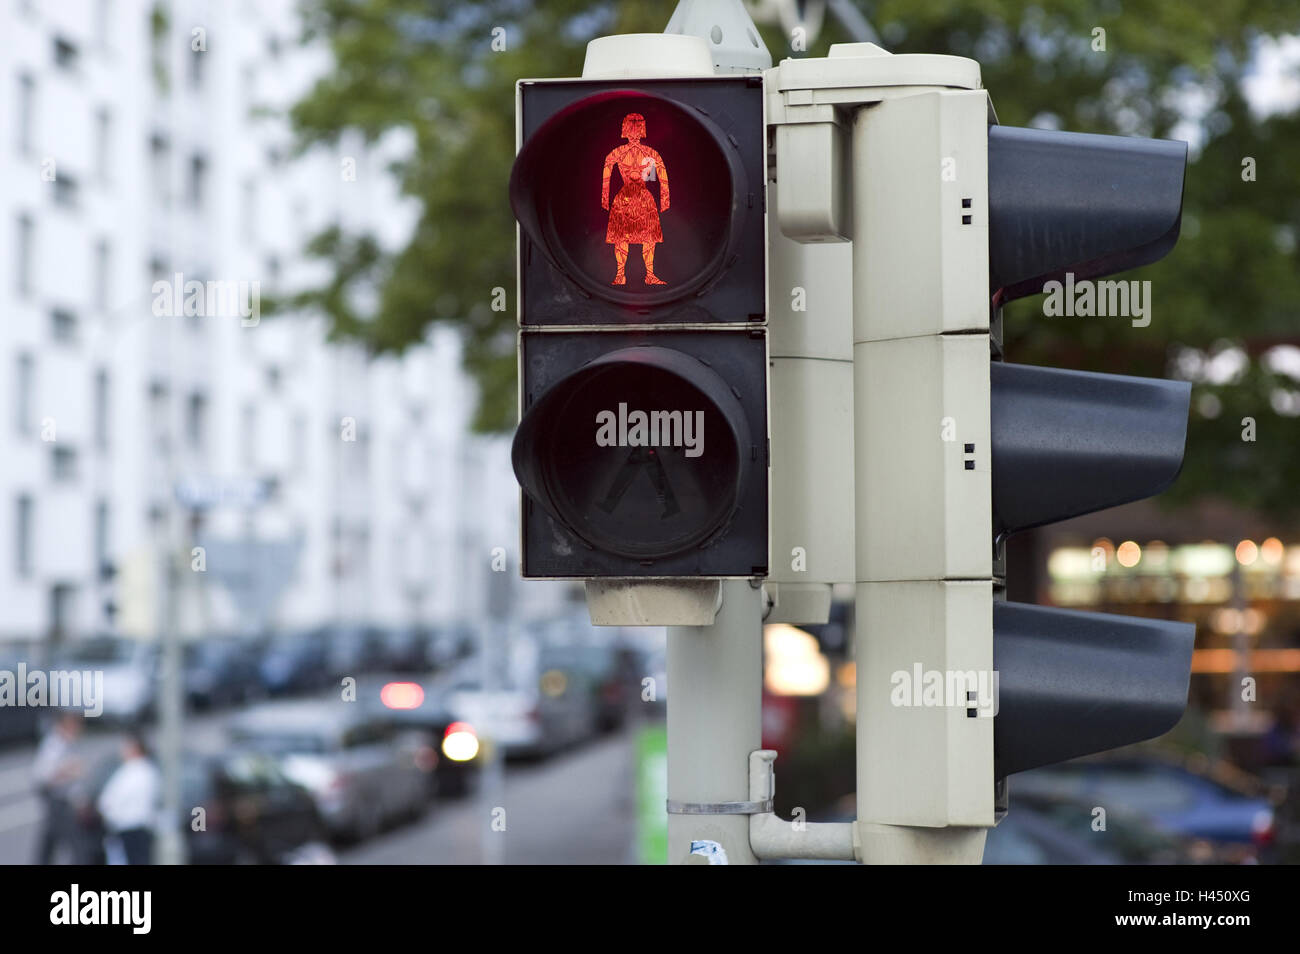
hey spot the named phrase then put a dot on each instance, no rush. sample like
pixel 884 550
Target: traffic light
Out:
pixel 642 445
pixel 1075 207
pixel 956 449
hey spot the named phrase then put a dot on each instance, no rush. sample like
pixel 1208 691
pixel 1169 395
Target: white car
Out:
pixel 363 773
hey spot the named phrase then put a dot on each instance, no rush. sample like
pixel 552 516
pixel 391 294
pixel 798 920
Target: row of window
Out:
pixel 196 415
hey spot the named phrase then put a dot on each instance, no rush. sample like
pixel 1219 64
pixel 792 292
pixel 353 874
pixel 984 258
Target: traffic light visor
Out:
pixel 1076 202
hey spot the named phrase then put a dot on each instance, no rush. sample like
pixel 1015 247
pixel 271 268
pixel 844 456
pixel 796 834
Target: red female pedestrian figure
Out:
pixel 633 218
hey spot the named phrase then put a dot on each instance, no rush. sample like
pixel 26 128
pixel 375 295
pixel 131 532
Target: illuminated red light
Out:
pixel 633 217
pixel 402 695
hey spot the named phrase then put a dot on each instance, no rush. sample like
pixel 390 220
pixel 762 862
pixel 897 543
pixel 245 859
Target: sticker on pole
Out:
pixel 714 852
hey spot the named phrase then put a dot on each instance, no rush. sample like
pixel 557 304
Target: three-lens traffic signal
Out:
pixel 1069 206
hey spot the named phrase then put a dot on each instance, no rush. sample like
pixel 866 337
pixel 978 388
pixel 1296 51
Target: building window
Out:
pixel 102 560
pixel 196 421
pixel 66 191
pixel 24 517
pixel 63 464
pixel 160 168
pixel 23 256
pixel 197 181
pixel 300 443
pixel 24 387
pixel 65 53
pixel 102 397
pixel 63 325
pixel 248 436
pixel 159 412
pixel 248 210
pixel 103 23
pixel 196 68
pixel 103 259
pixel 103 142
pixel 26 112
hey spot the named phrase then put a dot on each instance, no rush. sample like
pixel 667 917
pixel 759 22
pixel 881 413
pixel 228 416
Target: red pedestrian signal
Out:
pixel 642 445
pixel 634 216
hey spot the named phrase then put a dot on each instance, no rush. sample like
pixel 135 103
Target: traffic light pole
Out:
pixel 715 678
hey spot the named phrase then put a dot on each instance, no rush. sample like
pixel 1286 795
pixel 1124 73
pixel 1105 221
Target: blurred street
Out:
pixel 576 808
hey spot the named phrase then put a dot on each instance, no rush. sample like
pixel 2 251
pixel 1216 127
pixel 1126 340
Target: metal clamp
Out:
pixel 720 808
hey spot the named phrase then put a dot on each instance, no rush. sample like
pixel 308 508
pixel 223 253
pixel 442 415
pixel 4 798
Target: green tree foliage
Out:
pixel 1137 67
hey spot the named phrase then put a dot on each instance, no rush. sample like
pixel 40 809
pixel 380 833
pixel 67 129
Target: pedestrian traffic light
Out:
pixel 642 444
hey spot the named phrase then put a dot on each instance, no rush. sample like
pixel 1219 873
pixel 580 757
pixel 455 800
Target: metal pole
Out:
pixel 715 678
pixel 495 650
pixel 170 844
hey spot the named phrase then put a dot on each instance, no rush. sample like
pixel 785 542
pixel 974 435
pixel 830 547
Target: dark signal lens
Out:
pixel 638 453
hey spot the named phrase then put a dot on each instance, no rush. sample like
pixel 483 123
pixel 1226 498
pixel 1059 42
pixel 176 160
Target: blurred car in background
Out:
pixel 252 812
pixel 221 671
pixel 455 740
pixel 537 702
pixel 614 678
pixel 1060 831
pixel 294 662
pixel 19 723
pixel 354 649
pixel 363 772
pixel 1172 797
pixel 130 672
pixel 448 643
pixel 406 648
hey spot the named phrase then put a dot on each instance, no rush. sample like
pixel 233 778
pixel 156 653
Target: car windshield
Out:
pixel 285 743
pixel 204 652
pixel 100 651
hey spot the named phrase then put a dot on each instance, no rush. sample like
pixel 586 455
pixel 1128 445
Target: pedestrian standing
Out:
pixel 129 805
pixel 57 769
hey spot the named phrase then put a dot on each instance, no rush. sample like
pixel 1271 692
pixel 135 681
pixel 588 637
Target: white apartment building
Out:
pixel 128 157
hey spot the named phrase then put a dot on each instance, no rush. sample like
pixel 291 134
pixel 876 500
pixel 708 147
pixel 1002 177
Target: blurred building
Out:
pixel 143 143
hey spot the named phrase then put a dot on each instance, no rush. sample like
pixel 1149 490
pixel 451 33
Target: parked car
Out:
pixel 453 738
pixel 406 648
pixel 539 700
pixel 1174 798
pixel 295 662
pixel 363 773
pixel 448 643
pixel 615 678
pixel 221 671
pixel 130 674
pixel 252 812
pixel 1065 830
pixel 354 650
pixel 19 723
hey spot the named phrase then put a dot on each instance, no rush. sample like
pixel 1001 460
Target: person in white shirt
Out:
pixel 57 769
pixel 129 804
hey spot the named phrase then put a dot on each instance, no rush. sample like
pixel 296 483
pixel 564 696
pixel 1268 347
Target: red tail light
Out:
pixel 1262 828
